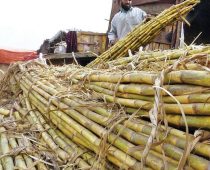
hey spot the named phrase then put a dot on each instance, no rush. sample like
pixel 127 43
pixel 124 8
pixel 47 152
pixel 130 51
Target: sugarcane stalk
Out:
pixel 35 165
pixel 19 161
pixel 192 121
pixel 190 98
pixel 147 105
pixel 23 112
pixel 118 163
pixel 154 56
pixel 1 167
pixel 62 143
pixel 17 115
pixel 189 77
pixel 90 158
pixel 28 161
pixel 110 158
pixel 175 137
pixel 45 135
pixel 184 99
pixel 171 55
pixel 4 112
pixel 123 95
pixel 189 109
pixel 71 133
pixel 129 77
pixel 7 160
pixel 173 152
pixel 22 101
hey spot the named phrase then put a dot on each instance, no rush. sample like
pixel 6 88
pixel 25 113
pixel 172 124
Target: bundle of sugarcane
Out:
pixel 144 33
pixel 113 136
pixel 134 89
pixel 19 147
pixel 159 60
pixel 27 141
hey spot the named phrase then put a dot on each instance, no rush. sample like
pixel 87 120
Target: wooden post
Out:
pixel 177 31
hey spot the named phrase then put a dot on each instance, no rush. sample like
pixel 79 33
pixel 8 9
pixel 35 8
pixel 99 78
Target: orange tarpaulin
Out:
pixel 7 56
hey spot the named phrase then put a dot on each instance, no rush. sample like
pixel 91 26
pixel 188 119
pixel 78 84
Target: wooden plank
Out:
pixel 143 2
pixel 69 55
pixel 137 2
pixel 91 33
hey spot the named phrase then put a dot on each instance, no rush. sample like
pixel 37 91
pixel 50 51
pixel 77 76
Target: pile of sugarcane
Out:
pixel 28 141
pixel 144 33
pixel 185 88
pixel 19 146
pixel 159 60
pixel 98 119
pixel 186 81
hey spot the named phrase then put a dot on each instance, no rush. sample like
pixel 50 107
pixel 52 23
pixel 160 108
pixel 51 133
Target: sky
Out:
pixel 25 24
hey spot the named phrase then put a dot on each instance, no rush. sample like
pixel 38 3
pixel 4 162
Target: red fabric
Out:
pixel 7 56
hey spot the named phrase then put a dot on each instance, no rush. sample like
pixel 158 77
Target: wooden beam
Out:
pixel 69 55
pixel 136 2
pixel 144 2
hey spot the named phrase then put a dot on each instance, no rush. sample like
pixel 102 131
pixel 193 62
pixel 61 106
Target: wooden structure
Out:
pixel 91 41
pixel 169 37
pixel 89 45
pixel 82 58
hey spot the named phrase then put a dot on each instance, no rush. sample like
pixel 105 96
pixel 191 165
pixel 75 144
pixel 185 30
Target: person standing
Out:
pixel 124 21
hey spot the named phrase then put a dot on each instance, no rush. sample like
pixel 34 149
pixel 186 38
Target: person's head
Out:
pixel 126 4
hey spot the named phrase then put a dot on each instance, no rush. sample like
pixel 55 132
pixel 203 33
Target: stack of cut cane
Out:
pixel 186 78
pixel 101 115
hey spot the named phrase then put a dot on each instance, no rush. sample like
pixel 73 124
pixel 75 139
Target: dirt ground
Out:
pixel 3 69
